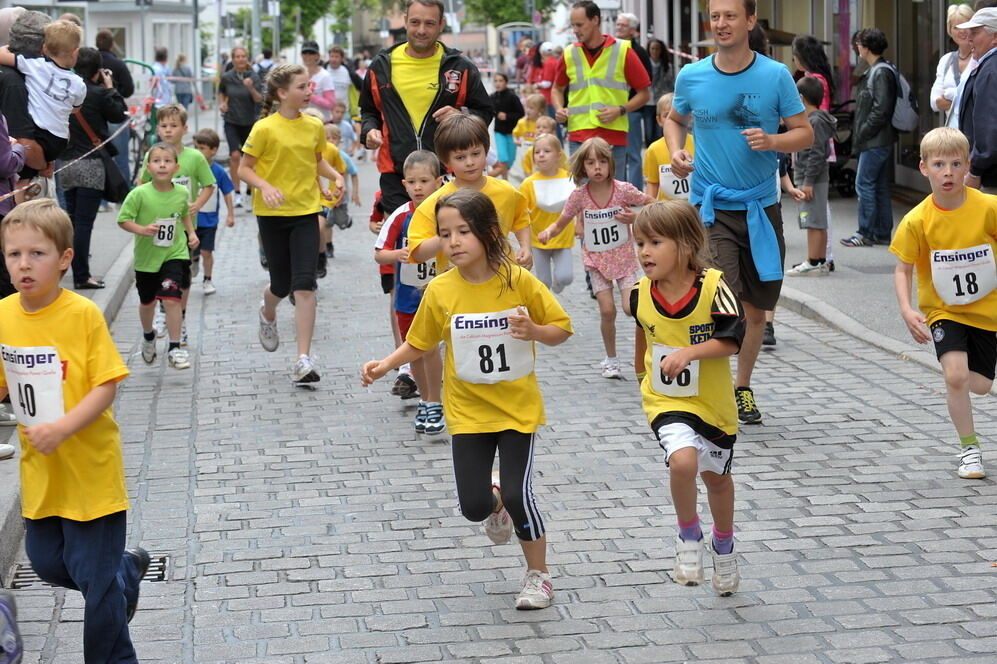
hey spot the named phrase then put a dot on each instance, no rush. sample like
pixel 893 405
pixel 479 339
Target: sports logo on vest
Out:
pixel 451 80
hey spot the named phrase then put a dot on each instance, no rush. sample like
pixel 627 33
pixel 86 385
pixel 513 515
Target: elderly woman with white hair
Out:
pixel 954 65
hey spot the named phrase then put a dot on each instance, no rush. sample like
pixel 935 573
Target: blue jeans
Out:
pixel 559 128
pixel 619 156
pixel 872 182
pixel 635 141
pixel 89 556
pixel 82 204
pixel 120 143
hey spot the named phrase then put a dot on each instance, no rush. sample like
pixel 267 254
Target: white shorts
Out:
pixel 675 436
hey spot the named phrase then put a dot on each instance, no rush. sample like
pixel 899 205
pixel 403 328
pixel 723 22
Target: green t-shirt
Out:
pixel 194 173
pixel 144 205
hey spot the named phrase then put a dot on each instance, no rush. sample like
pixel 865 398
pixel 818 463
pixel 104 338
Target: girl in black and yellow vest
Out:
pixel 690 323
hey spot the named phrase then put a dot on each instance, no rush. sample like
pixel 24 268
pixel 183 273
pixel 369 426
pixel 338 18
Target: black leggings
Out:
pixel 473 454
pixel 291 247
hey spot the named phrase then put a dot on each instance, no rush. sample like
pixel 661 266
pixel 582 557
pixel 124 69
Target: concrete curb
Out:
pixel 814 309
pixel 118 279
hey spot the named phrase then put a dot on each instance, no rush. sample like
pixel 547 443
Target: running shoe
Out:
pixel 435 423
pixel 6 451
pixel 11 646
pixel 857 241
pixel 971 463
pixel 498 525
pixel 420 418
pixel 263 261
pixel 768 337
pixel 808 269
pixel 209 287
pixel 269 337
pixel 304 371
pixel 747 411
pixel 688 568
pixel 726 578
pixel 195 267
pixel 322 266
pixel 183 334
pixel 830 266
pixel 179 358
pixel 142 560
pixel 405 387
pixel 160 323
pixel 237 200
pixel 7 417
pixel 611 369
pixel 148 350
pixel 537 591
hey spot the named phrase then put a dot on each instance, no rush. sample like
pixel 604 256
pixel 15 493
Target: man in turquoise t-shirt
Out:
pixel 734 101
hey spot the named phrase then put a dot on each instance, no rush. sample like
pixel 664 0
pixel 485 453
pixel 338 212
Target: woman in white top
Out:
pixel 954 64
pixel 321 83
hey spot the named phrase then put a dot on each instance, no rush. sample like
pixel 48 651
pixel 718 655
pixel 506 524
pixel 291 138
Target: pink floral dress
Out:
pixel 607 245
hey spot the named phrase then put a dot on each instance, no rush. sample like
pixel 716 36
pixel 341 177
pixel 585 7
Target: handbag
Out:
pixel 116 187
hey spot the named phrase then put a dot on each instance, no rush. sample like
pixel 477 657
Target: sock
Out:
pixel 723 542
pixel 328 246
pixel 690 532
pixel 207 277
pixel 966 441
pixel 817 261
pixel 173 344
pixel 405 369
pixel 149 336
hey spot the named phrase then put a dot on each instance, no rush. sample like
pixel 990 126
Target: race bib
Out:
pixel 167 232
pixel 686 384
pixel 484 350
pixel 602 231
pixel 184 181
pixel 552 194
pixel 417 274
pixel 34 378
pixel 672 185
pixel 963 276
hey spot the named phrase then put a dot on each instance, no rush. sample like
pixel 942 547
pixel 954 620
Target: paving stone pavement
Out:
pixel 315 526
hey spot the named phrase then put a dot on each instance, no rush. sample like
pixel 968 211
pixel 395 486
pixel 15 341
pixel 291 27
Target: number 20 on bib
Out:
pixel 34 378
pixel 484 350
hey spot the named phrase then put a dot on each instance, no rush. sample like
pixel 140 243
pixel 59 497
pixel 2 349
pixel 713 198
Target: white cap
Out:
pixel 985 18
pixel 546 47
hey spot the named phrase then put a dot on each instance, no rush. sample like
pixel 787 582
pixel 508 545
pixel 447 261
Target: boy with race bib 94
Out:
pixel 489 311
pixel 604 221
pixel 950 239
pixel 689 323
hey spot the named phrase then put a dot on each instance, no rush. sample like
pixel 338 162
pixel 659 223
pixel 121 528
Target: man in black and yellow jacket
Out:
pixel 409 88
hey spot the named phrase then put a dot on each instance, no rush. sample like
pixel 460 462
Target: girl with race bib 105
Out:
pixel 489 311
pixel 689 323
pixel 604 220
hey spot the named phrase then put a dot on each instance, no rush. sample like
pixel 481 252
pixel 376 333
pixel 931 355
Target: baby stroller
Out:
pixel 841 175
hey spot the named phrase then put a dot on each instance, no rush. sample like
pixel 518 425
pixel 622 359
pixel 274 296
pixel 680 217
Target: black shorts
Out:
pixel 206 234
pixel 291 245
pixel 167 284
pixel 979 345
pixel 236 135
pixel 730 251
pixel 388 282
pixel 52 145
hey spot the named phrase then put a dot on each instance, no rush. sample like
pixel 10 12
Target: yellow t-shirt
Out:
pixel 332 155
pixel 417 80
pixel 526 131
pixel 528 161
pixel 475 407
pixel 84 479
pixel 541 219
pixel 657 155
pixel 509 203
pixel 927 229
pixel 286 154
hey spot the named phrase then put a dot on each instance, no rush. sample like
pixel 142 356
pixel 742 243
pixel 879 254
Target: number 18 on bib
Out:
pixel 484 350
pixel 34 378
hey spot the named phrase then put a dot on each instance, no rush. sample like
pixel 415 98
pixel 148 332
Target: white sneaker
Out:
pixel 148 350
pixel 269 338
pixel 304 371
pixel 498 525
pixel 7 417
pixel 971 463
pixel 160 323
pixel 611 368
pixel 209 287
pixel 688 569
pixel 726 578
pixel 179 358
pixel 807 269
pixel 6 451
pixel 183 334
pixel 195 267
pixel 237 200
pixel 537 591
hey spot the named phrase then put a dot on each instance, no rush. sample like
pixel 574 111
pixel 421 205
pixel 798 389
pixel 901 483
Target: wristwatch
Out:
pixel 623 110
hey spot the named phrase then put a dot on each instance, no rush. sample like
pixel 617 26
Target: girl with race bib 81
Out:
pixel 489 311
pixel 604 220
pixel 689 323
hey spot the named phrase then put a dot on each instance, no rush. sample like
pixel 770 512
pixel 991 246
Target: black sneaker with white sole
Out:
pixel 747 410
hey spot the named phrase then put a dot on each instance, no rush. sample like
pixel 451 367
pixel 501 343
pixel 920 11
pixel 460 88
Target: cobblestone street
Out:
pixel 315 526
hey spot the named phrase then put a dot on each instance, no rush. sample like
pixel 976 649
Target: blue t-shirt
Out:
pixel 208 218
pixel 722 106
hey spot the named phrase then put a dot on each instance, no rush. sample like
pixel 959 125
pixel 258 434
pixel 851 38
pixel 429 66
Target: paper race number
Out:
pixel 671 185
pixel 484 350
pixel 686 384
pixel 602 231
pixel 34 378
pixel 166 233
pixel 963 276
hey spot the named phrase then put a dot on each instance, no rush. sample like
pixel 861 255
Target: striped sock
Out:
pixel 723 543
pixel 690 532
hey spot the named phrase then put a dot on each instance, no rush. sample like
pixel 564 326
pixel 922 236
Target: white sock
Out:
pixel 405 369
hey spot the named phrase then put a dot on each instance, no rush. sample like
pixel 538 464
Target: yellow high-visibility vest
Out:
pixel 595 87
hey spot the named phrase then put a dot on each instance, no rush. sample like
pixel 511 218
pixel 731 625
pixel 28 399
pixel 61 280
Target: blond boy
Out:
pixel 658 161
